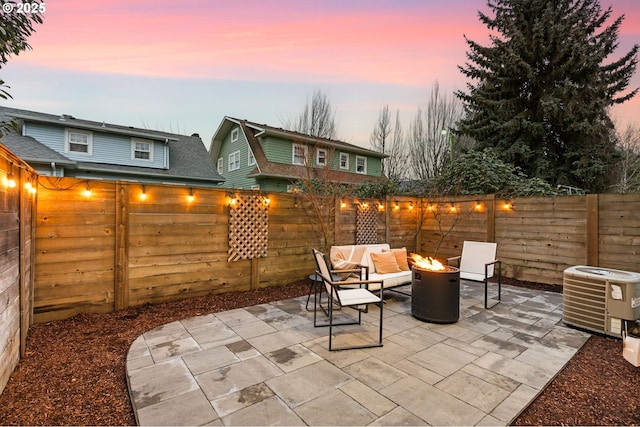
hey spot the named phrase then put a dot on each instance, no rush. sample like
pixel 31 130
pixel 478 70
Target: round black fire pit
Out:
pixel 435 295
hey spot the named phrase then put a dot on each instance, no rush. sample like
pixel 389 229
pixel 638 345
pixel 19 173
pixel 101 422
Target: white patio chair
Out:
pixel 357 298
pixel 477 263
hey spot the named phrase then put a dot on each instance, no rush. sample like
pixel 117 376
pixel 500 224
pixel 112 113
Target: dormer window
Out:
pixel 77 141
pixel 141 149
pixel 300 153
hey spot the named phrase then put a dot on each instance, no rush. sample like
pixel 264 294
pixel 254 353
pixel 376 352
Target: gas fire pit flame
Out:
pixel 427 263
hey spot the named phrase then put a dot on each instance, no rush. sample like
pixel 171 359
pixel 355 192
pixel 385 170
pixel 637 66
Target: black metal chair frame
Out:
pixel 334 291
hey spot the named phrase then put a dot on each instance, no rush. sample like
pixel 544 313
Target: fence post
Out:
pixel 491 218
pixel 121 275
pixel 593 249
pixel 255 273
pixel 387 219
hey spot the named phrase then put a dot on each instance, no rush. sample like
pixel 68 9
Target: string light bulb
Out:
pixel 143 195
pixel 10 181
pixel 87 190
pixel 190 196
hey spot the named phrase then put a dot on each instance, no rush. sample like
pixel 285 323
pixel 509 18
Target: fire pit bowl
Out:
pixel 435 294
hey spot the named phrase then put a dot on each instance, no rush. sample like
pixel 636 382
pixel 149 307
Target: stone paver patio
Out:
pixel 267 364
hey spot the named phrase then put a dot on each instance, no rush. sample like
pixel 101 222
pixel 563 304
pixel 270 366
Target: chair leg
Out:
pixel 486 298
pixel 312 288
pixel 372 345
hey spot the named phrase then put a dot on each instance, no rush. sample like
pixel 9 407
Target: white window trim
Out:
pixel 251 161
pixel 346 166
pixel 364 172
pixel 232 161
pixel 220 166
pixel 235 134
pixel 318 151
pixel 67 148
pixel 133 149
pixel 304 148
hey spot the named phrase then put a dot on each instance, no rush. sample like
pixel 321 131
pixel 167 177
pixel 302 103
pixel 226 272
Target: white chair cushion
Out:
pixel 390 280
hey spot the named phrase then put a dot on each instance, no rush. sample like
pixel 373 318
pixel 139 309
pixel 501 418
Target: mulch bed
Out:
pixel 73 372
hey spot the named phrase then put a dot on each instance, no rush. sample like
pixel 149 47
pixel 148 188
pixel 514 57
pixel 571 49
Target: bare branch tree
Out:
pixel 629 164
pixel 317 119
pixel 388 139
pixel 322 187
pixel 396 163
pixel 432 136
pixel 381 132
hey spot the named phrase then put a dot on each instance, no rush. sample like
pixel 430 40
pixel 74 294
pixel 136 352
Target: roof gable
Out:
pixel 188 159
pixel 254 132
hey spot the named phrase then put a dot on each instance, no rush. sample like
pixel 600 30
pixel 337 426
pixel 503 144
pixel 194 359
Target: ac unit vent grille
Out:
pixel 584 303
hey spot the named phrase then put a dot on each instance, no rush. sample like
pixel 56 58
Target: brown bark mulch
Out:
pixel 73 372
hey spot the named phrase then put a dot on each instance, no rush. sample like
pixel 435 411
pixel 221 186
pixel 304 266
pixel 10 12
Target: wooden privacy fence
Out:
pixel 111 249
pixel 17 205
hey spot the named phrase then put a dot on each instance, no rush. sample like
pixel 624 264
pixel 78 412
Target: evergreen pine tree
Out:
pixel 540 92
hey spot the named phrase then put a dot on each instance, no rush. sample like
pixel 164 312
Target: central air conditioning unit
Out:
pixel 600 299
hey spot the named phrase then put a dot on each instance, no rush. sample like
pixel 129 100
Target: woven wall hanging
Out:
pixel 366 225
pixel 248 228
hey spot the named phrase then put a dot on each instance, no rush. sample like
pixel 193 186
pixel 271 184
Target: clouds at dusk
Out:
pixel 211 58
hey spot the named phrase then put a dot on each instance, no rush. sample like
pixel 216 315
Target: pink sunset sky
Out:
pixel 181 66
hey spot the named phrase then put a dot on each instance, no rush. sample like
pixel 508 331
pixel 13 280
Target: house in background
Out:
pixel 262 157
pixel 61 145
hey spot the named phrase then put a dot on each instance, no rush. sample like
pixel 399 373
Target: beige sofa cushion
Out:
pixel 385 262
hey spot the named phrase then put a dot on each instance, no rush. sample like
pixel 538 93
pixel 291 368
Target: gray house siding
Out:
pixel 106 148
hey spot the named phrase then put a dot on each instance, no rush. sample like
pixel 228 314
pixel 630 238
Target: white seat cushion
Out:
pixel 390 280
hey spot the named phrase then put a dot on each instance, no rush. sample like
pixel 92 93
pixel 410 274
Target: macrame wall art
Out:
pixel 248 227
pixel 366 224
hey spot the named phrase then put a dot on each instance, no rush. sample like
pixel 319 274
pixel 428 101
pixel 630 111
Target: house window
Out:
pixel 321 157
pixel 299 154
pixel 361 164
pixel 252 159
pixel 235 134
pixel 220 166
pixel 141 149
pixel 234 161
pixel 344 161
pixel 78 142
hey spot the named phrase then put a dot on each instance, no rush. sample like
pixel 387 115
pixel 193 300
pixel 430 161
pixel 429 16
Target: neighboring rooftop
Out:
pixel 189 162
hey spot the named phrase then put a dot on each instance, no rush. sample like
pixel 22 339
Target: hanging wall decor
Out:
pixel 366 224
pixel 248 227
